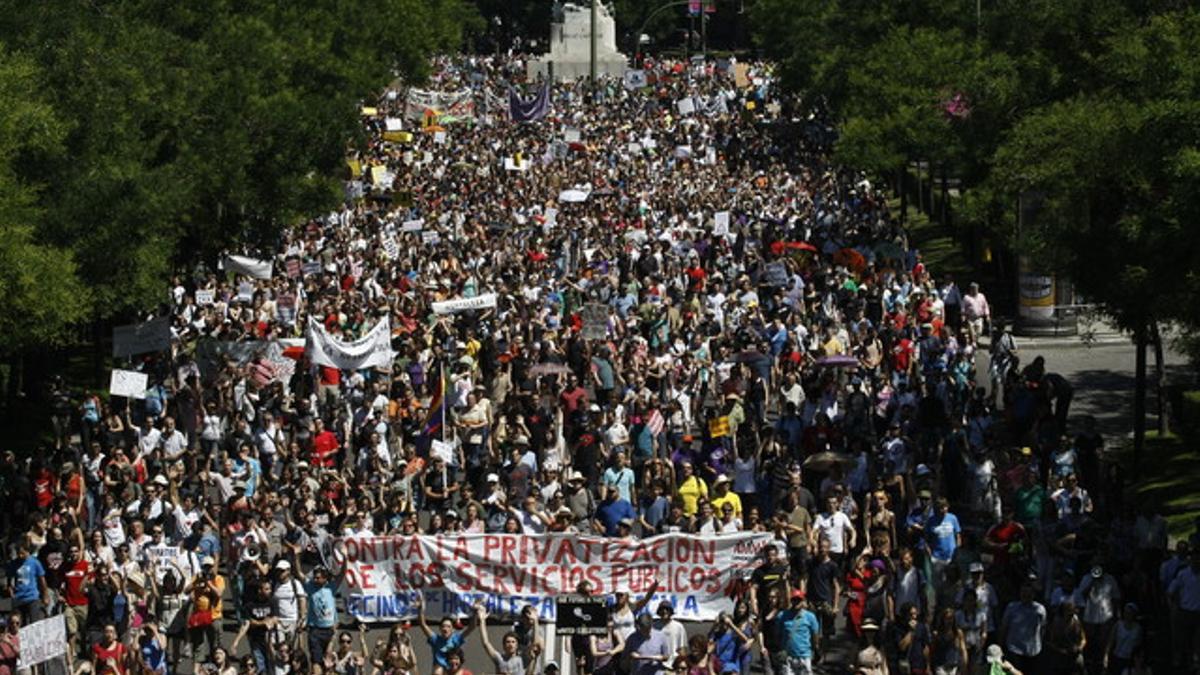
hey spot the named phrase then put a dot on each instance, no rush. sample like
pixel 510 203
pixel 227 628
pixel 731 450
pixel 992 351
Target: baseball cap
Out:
pixel 665 606
pixel 493 478
pixel 798 594
pixel 925 494
pixel 207 561
pixel 721 479
pixel 627 522
pixel 995 654
pixel 283 565
pixel 976 567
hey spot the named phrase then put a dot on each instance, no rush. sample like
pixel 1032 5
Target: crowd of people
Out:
pixel 773 356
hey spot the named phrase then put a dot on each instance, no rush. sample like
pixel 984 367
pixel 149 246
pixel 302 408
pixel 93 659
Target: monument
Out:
pixel 571 49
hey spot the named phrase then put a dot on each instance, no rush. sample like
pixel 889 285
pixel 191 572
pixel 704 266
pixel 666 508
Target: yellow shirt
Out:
pixel 689 492
pixel 729 498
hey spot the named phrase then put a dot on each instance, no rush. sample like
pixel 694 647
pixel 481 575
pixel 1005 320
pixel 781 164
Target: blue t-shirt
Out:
pixel 322 605
pixel 726 647
pixel 442 646
pixel 611 513
pixel 799 627
pixel 943 530
pixel 27 573
pixel 154 656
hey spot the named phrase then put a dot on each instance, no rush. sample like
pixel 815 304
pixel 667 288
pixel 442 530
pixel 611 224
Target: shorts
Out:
pixel 76 618
pixel 795 665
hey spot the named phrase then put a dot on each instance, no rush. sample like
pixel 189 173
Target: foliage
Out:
pixel 42 296
pixel 187 128
pixel 1090 106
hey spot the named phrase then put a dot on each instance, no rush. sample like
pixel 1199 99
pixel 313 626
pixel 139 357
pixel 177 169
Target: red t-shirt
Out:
pixel 115 652
pixel 74 578
pixel 325 445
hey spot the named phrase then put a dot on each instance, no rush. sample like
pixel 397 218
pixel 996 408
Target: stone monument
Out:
pixel 570 45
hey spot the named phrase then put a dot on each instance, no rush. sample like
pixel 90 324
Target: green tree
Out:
pixel 42 296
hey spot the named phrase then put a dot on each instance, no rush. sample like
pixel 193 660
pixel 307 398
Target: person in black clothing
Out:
pixel 824 587
pixel 258 627
pixel 772 574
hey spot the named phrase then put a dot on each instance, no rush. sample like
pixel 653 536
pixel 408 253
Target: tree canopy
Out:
pixel 1090 105
pixel 148 134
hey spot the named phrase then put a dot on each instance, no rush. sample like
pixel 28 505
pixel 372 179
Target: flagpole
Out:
pixel 445 421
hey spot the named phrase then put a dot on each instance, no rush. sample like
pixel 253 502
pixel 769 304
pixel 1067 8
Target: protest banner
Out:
pixel 255 269
pixel 383 575
pixel 441 107
pixel 43 640
pixel 151 336
pixel 777 275
pixel 128 383
pixel 595 321
pixel 373 350
pixel 398 136
pixel 483 301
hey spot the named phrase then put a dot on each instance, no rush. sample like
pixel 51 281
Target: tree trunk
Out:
pixel 98 352
pixel 903 173
pixel 945 197
pixel 920 190
pixel 1160 380
pixel 1139 400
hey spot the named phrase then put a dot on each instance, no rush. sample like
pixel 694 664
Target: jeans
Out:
pixel 261 651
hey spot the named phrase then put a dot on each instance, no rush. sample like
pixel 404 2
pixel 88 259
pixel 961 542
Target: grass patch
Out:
pixel 1170 480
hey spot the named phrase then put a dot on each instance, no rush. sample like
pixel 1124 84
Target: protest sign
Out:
pixel 369 112
pixel 205 297
pixel 383 575
pixel 128 383
pixel 43 640
pixel 685 105
pixel 444 451
pixel 373 350
pixel 393 124
pixel 430 237
pixel 777 275
pixel 581 615
pixel 311 267
pixel 391 247
pixel 398 136
pixel 683 152
pixel 595 321
pixel 439 137
pixel 551 216
pixel 718 427
pixel 165 558
pixel 635 79
pixel 516 164
pixel 151 336
pixel 245 291
pixel 292 268
pixel 379 175
pixel 741 75
pixel 721 223
pixel 415 225
pixel 571 135
pixel 463 304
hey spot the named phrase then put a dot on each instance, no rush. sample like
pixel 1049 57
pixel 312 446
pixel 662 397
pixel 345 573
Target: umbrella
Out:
pixel 779 247
pixel 848 257
pixel 748 356
pixel 889 250
pixel 837 361
pixel 825 461
pixel 549 369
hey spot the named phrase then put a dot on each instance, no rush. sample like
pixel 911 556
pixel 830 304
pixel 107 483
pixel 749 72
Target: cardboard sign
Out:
pixel 205 297
pixel 721 223
pixel 595 321
pixel 42 640
pixel 777 275
pixel 128 383
pixel 581 615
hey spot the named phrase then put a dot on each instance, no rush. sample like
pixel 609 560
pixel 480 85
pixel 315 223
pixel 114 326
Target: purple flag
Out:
pixel 529 110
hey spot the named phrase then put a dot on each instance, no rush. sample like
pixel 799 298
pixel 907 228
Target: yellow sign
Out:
pixel 398 136
pixel 378 174
pixel 369 112
pixel 718 427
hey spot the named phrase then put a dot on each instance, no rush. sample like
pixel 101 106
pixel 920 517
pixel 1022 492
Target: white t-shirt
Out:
pixel 833 527
pixel 286 600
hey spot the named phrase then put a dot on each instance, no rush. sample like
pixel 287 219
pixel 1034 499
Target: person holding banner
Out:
pixel 508 660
